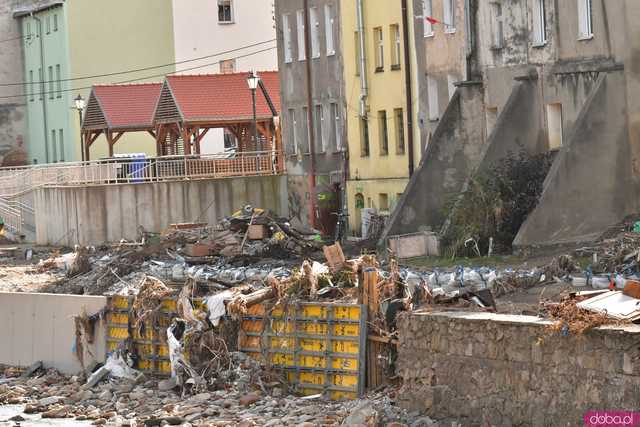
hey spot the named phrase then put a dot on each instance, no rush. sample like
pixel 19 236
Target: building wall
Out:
pixel 92 38
pixel 376 173
pixel 197 33
pixel 97 214
pixel 13 120
pixel 40 328
pixel 328 92
pixel 492 369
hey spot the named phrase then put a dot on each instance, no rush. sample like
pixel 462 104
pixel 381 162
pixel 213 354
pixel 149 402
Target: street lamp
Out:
pixel 253 80
pixel 79 104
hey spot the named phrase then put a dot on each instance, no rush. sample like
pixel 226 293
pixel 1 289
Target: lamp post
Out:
pixel 79 105
pixel 253 81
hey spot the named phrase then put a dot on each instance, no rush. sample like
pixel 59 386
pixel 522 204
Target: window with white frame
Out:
pixel 585 19
pixel 315 32
pixel 449 16
pixel 379 53
pixel 396 46
pixel 286 38
pixel 539 23
pixel 293 131
pixel 328 28
pixel 427 12
pixel 335 127
pixel 498 26
pixel 225 11
pixel 51 94
pixel 58 81
pixel 319 124
pixel 306 139
pixel 55 22
pixel 48 20
pixel 432 88
pixel 61 141
pixel 54 145
pixel 31 86
pixel 300 30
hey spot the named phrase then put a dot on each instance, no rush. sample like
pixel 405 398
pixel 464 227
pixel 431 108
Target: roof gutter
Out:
pixel 42 90
pixel 407 77
pixel 363 63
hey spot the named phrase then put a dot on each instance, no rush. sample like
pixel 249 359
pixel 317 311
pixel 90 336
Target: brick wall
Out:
pixel 490 369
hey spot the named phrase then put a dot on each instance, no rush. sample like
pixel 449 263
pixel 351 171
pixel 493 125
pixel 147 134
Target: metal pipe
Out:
pixel 407 77
pixel 312 140
pixel 81 137
pixel 42 90
pixel 363 63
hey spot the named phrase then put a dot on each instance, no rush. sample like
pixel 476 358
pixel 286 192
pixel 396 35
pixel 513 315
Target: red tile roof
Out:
pixel 130 105
pixel 223 97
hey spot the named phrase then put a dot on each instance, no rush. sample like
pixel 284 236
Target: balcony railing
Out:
pixel 17 181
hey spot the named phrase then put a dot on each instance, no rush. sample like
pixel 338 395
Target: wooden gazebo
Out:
pixel 190 105
pixel 113 110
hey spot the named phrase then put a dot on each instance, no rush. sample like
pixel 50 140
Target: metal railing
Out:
pixel 18 181
pixel 11 213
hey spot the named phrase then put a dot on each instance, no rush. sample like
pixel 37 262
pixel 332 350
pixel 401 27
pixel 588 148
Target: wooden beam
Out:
pixel 152 133
pixel 117 137
pixel 110 143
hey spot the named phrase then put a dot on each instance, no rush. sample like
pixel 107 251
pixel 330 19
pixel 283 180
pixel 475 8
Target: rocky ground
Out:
pixel 149 402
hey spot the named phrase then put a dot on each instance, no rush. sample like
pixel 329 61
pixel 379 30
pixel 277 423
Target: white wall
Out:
pixel 198 34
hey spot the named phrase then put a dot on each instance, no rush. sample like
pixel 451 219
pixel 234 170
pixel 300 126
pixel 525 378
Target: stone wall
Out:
pixel 489 369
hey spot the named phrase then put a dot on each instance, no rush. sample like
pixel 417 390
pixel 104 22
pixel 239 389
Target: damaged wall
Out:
pixel 454 151
pixel 489 369
pixel 93 215
pixel 40 327
pixel 592 173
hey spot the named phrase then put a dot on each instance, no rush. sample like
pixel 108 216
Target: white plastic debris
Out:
pixel 215 304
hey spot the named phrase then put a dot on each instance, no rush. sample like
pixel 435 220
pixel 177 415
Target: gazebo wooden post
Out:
pixel 110 142
pixel 186 140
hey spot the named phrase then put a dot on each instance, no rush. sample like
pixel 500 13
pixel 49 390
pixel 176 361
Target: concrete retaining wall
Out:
pixel 489 369
pixel 591 184
pixel 92 215
pixel 40 327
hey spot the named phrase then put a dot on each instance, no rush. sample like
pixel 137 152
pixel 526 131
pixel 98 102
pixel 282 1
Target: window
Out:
pixel 364 137
pixel 31 88
pixel 585 19
pixel 384 134
pixel 61 141
pixel 492 118
pixel 58 81
pixel 539 23
pixel 358 53
pixel 315 32
pixel 498 27
pixel 377 37
pixel 432 88
pixel 40 85
pixel 48 21
pixel 55 22
pixel 293 132
pixel 335 127
pixel 399 123
pixel 225 11
pixel 230 140
pixel 50 82
pixel 449 16
pixel 451 80
pixel 227 66
pixel 383 201
pixel 328 28
pixel 396 46
pixel 318 123
pixel 28 29
pixel 554 123
pixel 305 134
pixel 301 39
pixel 427 12
pixel 286 38
pixel 54 145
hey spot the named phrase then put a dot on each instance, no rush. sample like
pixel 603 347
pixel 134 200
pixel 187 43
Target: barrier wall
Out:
pixel 40 327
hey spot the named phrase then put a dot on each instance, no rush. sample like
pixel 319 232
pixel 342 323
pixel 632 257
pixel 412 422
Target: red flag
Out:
pixel 432 21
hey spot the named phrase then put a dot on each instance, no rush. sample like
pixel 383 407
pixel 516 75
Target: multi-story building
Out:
pixel 383 139
pixel 316 190
pixel 228 36
pixel 71 45
pixel 542 76
pixel 13 141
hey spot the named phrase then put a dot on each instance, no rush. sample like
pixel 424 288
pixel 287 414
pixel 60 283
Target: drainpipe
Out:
pixel 362 65
pixel 310 127
pixel 42 90
pixel 407 77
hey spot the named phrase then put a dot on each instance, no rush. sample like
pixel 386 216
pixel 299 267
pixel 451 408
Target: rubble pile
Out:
pixel 148 402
